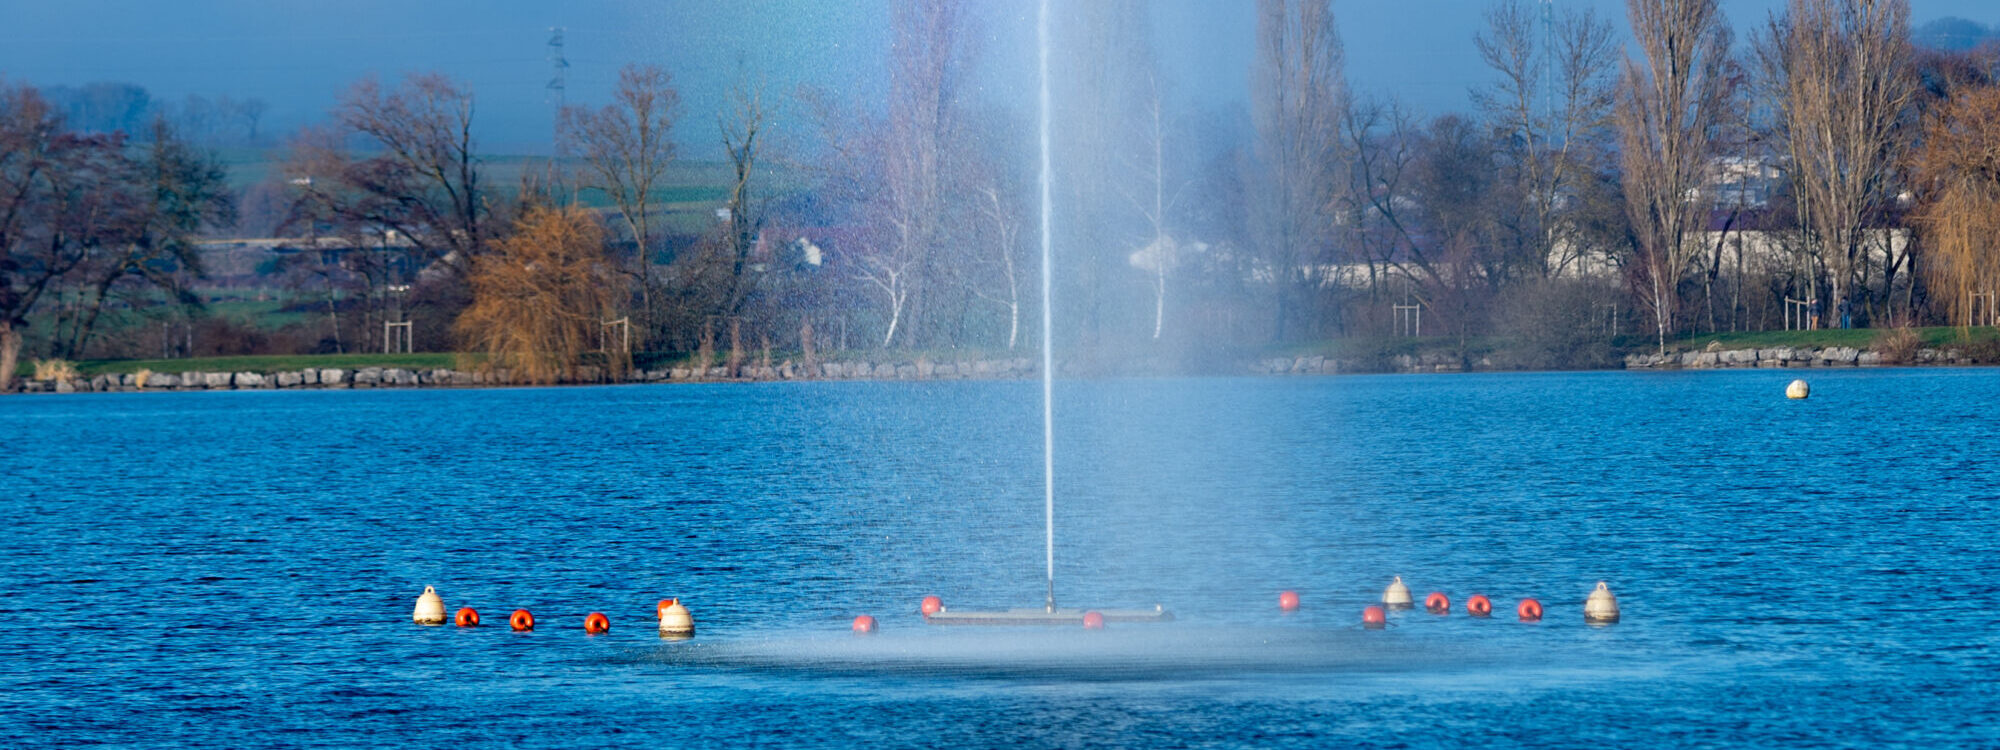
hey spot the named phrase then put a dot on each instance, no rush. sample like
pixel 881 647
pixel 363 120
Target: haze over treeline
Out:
pixel 1659 173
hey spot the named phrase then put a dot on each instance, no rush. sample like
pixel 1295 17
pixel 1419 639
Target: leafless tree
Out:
pixel 32 147
pixel 1672 101
pixel 166 194
pixel 1006 245
pixel 1841 78
pixel 1554 101
pixel 626 149
pixel 741 127
pixel 423 182
pixel 1157 197
pixel 1298 92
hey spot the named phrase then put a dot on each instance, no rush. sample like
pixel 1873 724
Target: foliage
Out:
pixel 1897 345
pixel 55 369
pixel 1958 169
pixel 541 300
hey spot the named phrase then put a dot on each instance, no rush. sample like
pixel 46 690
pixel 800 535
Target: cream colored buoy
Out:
pixel 1397 596
pixel 1798 389
pixel 1601 607
pixel 676 623
pixel 430 608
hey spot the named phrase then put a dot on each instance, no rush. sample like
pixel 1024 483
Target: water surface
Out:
pixel 238 568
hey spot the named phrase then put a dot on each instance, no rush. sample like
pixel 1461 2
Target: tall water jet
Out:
pixel 1048 328
pixel 1048 615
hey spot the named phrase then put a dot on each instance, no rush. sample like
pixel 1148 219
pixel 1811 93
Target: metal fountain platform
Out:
pixel 1045 616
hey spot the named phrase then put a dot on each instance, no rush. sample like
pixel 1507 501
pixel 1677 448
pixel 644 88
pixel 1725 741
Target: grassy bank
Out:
pixel 1365 351
pixel 263 363
pixel 1859 338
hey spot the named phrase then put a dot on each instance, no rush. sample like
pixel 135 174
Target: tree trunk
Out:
pixel 10 353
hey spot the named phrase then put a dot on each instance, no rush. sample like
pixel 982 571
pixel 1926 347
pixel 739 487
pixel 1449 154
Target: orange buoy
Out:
pixel 466 617
pixel 1529 610
pixel 1093 621
pixel 1373 618
pixel 1437 603
pixel 521 620
pixel 596 622
pixel 864 625
pixel 1479 606
pixel 932 605
pixel 1288 601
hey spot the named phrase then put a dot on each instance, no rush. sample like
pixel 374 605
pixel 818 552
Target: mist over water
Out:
pixel 238 568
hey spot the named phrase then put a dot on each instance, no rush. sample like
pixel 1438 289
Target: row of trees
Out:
pixel 87 219
pixel 1693 183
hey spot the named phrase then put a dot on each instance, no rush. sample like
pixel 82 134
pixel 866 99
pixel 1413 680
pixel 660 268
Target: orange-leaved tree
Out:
pixel 1958 211
pixel 539 303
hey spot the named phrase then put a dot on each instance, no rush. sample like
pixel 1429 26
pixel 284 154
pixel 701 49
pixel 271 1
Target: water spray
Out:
pixel 1048 325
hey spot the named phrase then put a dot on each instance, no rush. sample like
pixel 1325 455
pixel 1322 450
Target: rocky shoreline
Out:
pixel 397 377
pixel 1712 358
pixel 925 369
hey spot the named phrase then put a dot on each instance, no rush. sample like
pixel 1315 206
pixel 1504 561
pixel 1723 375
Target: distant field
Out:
pixel 687 186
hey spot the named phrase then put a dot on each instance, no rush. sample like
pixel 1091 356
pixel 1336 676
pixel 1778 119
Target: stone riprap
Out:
pixel 1832 356
pixel 927 369
pixel 393 377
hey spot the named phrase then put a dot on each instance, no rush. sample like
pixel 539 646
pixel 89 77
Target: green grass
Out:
pixel 1858 338
pixel 266 363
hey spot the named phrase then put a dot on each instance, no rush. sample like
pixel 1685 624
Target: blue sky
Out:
pixel 297 54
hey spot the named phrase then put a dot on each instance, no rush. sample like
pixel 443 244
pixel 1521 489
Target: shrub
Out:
pixel 1897 345
pixel 55 369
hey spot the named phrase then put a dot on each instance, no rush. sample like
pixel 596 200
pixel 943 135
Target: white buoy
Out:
pixel 430 608
pixel 1798 389
pixel 676 623
pixel 1397 596
pixel 1601 607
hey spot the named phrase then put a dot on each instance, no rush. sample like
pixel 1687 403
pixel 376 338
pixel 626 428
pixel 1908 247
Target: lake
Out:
pixel 238 568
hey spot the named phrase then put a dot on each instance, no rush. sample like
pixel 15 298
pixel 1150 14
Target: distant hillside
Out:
pixel 1954 34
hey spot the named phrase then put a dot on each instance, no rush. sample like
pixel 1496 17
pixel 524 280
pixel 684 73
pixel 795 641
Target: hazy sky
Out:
pixel 297 54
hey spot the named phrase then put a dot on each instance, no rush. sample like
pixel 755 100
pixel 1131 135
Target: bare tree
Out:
pixel 32 147
pixel 424 183
pixel 740 131
pixel 1841 77
pixel 1672 101
pixel 170 193
pixel 626 148
pixel 1298 93
pixel 1554 102
pixel 1161 253
pixel 1006 245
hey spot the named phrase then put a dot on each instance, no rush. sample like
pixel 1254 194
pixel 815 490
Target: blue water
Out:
pixel 238 569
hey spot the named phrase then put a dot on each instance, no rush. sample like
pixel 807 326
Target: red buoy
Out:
pixel 864 625
pixel 1479 606
pixel 521 620
pixel 1093 621
pixel 1529 610
pixel 933 605
pixel 1373 618
pixel 1288 601
pixel 660 608
pixel 596 622
pixel 466 617
pixel 1437 603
